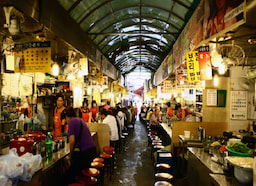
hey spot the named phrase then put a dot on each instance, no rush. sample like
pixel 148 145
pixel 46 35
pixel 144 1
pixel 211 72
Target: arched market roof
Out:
pixel 132 33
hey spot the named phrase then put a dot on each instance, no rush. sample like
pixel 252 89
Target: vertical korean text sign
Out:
pixel 193 66
pixel 33 57
pixel 205 63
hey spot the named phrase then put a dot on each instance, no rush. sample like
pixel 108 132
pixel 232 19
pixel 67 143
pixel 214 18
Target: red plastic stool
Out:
pixel 97 164
pixel 108 162
pixel 163 183
pixel 85 180
pixel 163 177
pixel 91 172
pixel 101 160
pixel 163 166
pixel 100 167
pixel 76 184
pixel 108 149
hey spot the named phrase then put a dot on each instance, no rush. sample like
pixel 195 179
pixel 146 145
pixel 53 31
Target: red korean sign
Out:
pixel 205 63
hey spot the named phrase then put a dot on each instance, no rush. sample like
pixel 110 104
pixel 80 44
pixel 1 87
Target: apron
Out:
pixel 29 112
pixel 85 116
pixel 57 122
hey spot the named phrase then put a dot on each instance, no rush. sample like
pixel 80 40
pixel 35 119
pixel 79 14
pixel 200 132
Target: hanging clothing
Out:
pixel 94 112
pixel 84 114
pixel 57 119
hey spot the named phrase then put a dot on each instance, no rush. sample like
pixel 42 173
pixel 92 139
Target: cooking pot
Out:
pixel 243 175
pixel 243 168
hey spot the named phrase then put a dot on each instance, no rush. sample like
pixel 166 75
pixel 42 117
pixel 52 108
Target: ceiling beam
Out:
pixel 74 6
pixel 124 26
pixel 135 33
pixel 122 9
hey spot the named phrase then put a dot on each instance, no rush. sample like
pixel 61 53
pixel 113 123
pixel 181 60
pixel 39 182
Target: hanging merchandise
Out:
pixel 193 67
pixel 84 66
pixel 205 63
pixel 33 57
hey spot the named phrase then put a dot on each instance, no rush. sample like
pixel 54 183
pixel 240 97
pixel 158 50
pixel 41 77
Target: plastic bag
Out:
pixel 31 165
pixel 18 168
pixel 3 180
pixel 11 165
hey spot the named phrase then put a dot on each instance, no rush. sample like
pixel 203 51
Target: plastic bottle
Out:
pixel 48 146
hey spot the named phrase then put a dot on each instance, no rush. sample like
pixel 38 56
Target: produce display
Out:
pixel 239 147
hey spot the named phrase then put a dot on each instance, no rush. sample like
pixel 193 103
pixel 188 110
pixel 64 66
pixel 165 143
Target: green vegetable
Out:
pixel 239 147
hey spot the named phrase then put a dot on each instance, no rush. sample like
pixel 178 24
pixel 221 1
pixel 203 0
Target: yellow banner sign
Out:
pixel 36 57
pixel 193 66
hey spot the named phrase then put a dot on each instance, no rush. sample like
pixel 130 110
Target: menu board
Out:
pixel 33 57
pixel 211 97
pixel 238 105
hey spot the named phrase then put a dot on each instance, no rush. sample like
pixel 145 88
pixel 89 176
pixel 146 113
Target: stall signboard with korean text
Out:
pixel 205 63
pixel 33 57
pixel 238 105
pixel 193 67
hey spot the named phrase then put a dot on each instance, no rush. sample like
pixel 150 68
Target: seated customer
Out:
pixel 111 122
pixel 87 146
pixel 154 120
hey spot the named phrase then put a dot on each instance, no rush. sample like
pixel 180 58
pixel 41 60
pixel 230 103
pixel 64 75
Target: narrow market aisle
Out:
pixel 134 166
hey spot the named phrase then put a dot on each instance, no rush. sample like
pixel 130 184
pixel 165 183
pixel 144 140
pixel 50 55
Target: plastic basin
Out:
pixel 240 154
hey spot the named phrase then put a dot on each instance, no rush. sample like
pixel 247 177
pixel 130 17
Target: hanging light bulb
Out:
pixel 222 69
pixel 89 91
pixel 183 94
pixel 215 81
pixel 55 69
pixel 101 89
pixel 80 73
pixel 203 83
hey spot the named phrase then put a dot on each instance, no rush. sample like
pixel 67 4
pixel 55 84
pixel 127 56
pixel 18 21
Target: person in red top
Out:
pixel 169 110
pixel 84 112
pixel 182 112
pixel 94 112
pixel 59 117
pixel 107 105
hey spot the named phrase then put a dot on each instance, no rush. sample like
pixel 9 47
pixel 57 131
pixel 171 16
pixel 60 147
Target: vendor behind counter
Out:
pixel 59 118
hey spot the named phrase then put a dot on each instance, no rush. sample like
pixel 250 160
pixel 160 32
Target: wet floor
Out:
pixel 134 165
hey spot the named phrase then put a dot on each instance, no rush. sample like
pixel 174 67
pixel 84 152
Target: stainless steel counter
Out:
pixel 205 158
pixel 222 180
pixel 167 129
